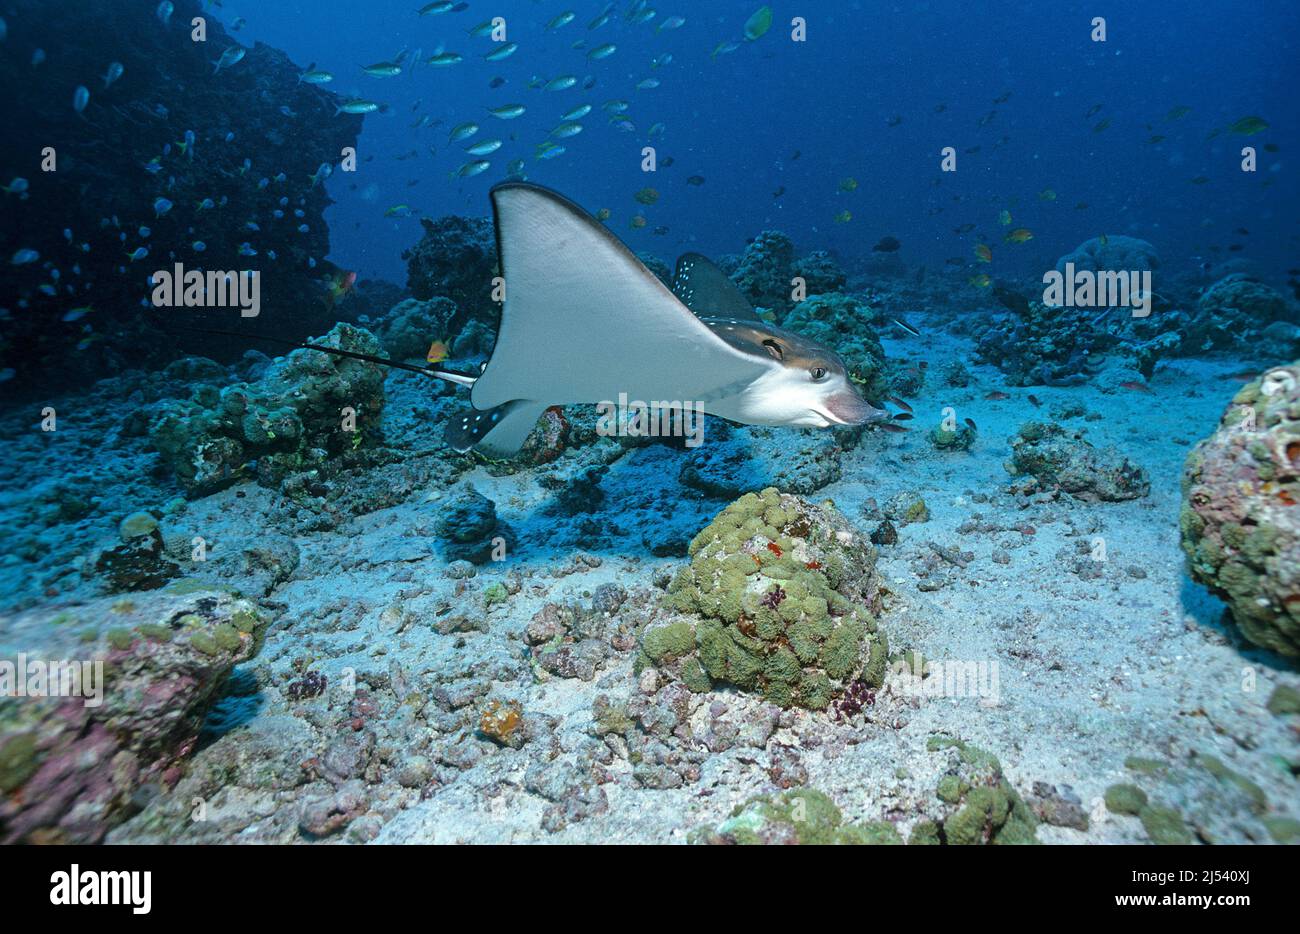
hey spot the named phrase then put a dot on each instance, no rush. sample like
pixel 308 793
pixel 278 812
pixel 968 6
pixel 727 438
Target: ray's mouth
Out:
pixel 848 408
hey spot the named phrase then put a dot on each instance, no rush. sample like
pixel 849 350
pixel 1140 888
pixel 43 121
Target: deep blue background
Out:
pixel 736 120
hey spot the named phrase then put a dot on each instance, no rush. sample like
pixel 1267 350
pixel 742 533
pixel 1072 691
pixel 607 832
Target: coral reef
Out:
pixel 223 151
pixel 293 416
pixel 780 598
pixel 71 771
pixel 1058 458
pixel 1239 523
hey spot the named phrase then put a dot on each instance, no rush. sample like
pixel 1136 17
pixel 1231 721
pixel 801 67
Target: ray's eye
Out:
pixel 818 373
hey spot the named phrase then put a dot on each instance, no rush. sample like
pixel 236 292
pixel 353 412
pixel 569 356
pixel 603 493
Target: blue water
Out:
pixel 737 120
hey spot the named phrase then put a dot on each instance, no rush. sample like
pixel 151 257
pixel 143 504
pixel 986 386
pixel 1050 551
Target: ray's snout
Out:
pixel 851 409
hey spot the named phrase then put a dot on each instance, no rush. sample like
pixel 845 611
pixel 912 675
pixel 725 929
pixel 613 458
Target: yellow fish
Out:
pixel 1019 235
pixel 438 352
pixel 1005 218
pixel 843 217
pixel 981 281
pixel 983 253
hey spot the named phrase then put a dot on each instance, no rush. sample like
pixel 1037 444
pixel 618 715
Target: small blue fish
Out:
pixel 161 207
pixel 38 57
pixel 303 228
pixel 164 11
pixel 25 256
pixel 80 98
pixel 114 72
pixel 144 233
pixel 199 246
pixel 246 249
pixel 17 187
pixel 232 56
pixel 138 253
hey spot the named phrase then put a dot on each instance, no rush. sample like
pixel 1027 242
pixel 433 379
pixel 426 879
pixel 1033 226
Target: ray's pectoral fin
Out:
pixel 496 432
pixel 708 291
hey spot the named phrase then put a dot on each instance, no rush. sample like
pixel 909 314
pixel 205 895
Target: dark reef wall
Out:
pixel 258 138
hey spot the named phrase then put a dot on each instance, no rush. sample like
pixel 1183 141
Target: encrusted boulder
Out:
pixel 765 271
pixel 71 769
pixel 780 598
pixel 979 806
pixel 411 326
pixel 456 259
pixel 1115 253
pixel 1241 510
pixel 296 412
pixel 1057 458
pixel 801 816
pixel 750 458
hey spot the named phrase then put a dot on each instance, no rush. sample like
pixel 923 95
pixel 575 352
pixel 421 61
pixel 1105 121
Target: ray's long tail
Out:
pixel 451 376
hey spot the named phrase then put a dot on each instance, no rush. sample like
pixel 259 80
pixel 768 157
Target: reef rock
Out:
pixel 411 326
pixel 1240 516
pixel 456 259
pixel 167 128
pixel 70 771
pixel 765 271
pixel 1044 346
pixel 1057 458
pixel 1235 312
pixel 293 415
pixel 1114 253
pixel 979 805
pixel 780 598
pixel 803 816
pixel 820 272
pixel 751 458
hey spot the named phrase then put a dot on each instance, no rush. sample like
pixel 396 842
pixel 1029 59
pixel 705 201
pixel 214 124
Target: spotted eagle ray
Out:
pixel 584 321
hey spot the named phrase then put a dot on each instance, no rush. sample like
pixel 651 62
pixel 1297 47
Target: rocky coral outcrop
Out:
pixel 751 458
pixel 1057 458
pixel 296 414
pixel 979 805
pixel 456 258
pixel 1241 519
pixel 803 816
pixel 780 598
pixel 1112 252
pixel 1044 346
pixel 411 326
pixel 765 270
pixel 71 770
